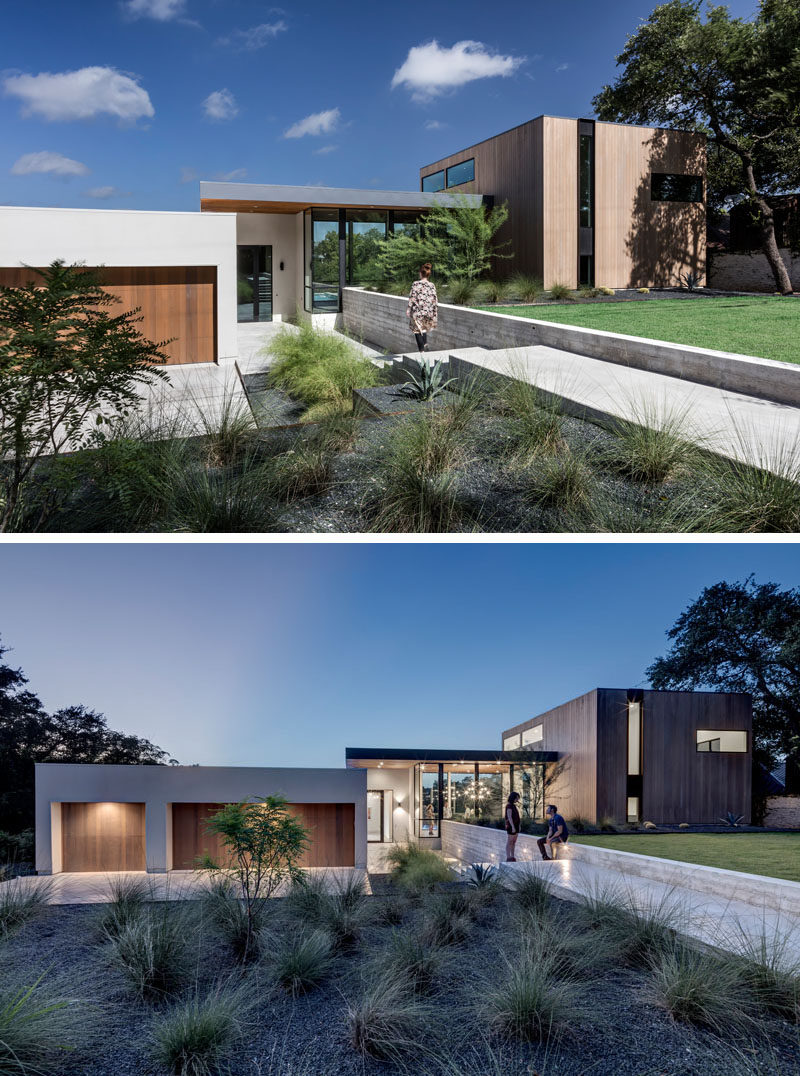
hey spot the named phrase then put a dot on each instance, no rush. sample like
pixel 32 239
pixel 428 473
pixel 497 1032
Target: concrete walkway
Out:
pixel 726 924
pixel 748 428
pixel 95 887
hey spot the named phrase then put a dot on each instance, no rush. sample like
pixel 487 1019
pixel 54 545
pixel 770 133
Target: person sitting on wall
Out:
pixel 512 826
pixel 557 832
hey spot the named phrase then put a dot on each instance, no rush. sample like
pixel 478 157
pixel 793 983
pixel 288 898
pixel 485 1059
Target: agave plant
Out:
pixel 690 281
pixel 481 875
pixel 427 384
pixel 732 819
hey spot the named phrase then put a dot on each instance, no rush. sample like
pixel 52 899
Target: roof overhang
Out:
pixel 273 198
pixel 367 757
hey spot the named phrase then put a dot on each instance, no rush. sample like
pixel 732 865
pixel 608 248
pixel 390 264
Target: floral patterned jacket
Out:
pixel 422 306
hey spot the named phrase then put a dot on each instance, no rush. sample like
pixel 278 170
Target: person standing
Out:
pixel 423 306
pixel 512 821
pixel 557 832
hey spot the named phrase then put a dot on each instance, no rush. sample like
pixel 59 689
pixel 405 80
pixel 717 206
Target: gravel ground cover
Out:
pixel 618 1028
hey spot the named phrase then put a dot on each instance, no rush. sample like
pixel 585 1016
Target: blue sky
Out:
pixel 127 103
pixel 280 654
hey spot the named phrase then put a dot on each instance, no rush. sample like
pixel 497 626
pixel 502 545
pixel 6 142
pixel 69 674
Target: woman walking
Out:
pixel 422 306
pixel 512 827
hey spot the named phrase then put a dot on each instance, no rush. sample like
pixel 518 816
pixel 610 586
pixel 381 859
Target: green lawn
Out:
pixel 767 325
pixel 776 855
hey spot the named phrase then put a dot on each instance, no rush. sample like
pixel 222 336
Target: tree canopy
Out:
pixel 742 637
pixel 735 80
pixel 28 734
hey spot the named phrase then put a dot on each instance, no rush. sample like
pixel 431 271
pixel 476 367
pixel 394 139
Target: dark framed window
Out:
pixel 671 187
pixel 723 741
pixel 463 172
pixel 366 231
pixel 433 182
pixel 586 209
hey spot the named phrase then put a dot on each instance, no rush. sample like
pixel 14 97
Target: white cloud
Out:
pixel 562 67
pixel 104 192
pixel 317 123
pixel 81 94
pixel 326 149
pixel 230 177
pixel 161 10
pixel 434 125
pixel 256 37
pixel 430 70
pixel 45 162
pixel 220 105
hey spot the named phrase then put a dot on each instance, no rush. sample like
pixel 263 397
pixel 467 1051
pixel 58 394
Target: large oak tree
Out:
pixel 736 81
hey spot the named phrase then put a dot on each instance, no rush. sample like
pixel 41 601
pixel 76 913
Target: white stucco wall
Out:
pixel 400 781
pixel 159 786
pixel 128 237
pixel 280 231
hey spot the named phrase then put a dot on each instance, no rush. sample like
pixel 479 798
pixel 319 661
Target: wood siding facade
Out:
pixel 637 242
pixel 679 783
pixel 331 825
pixel 102 836
pixel 177 302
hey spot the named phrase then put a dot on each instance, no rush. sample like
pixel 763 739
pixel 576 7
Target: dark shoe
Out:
pixel 545 858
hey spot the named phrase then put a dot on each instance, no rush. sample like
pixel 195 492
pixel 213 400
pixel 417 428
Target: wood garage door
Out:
pixel 332 827
pixel 177 301
pixel 102 837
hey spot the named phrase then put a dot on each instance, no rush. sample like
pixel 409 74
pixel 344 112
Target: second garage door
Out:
pixel 331 827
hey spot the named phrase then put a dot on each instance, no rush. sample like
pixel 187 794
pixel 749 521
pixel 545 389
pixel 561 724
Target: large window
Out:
pixel 670 187
pixel 529 782
pixel 463 172
pixel 492 791
pixel 322 260
pixel 405 223
pixel 366 230
pixel 512 743
pixel 459 791
pixel 433 182
pixel 428 800
pixel 720 740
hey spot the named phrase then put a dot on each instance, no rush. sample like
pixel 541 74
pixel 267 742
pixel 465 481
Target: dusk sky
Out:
pixel 284 654
pixel 130 103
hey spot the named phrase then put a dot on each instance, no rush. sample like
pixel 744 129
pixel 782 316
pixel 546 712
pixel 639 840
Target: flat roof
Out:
pixel 360 756
pixel 275 198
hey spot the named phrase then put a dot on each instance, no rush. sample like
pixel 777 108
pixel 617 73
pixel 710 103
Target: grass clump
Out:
pixel 391 910
pixel 301 961
pixel 561 482
pixel 535 419
pixel 461 291
pixel 447 918
pixel 560 292
pixel 637 933
pixel 652 446
pixel 229 915
pixel 389 1023
pixel 492 291
pixel 128 898
pixel 225 500
pixel 319 368
pixel 532 892
pixel 771 972
pixel 227 429
pixel 193 1037
pixel 39 1024
pixel 152 952
pixel 338 907
pixel 529 1000
pixel 303 471
pixel 525 287
pixel 412 960
pixel 760 498
pixel 21 901
pixel 417 476
pixel 698 988
pixel 416 869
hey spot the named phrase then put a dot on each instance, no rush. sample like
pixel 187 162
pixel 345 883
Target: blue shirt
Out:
pixel 555 822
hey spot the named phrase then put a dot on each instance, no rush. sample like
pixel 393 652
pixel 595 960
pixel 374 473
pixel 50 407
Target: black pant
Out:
pixel 541 843
pixel 422 340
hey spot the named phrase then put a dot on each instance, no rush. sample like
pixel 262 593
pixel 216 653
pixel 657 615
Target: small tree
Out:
pixel 264 843
pixel 67 368
pixel 460 241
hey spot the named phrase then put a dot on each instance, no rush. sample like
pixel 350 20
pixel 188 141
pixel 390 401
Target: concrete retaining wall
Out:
pixel 751 272
pixel 380 319
pixel 783 812
pixel 479 844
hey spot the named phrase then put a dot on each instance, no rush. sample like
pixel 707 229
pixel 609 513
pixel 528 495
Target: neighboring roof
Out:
pixel 273 198
pixel 425 754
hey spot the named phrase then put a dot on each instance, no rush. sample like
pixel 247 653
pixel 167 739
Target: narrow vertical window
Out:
pixel 634 782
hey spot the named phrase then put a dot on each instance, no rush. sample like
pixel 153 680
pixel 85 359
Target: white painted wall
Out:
pixel 159 786
pixel 400 782
pixel 280 231
pixel 37 236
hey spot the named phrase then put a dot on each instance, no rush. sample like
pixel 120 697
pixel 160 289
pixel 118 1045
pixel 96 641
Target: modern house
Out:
pixel 627 754
pixel 589 202
pixel 592 203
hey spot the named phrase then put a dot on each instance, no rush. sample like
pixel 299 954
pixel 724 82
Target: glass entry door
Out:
pixel 254 283
pixel 379 816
